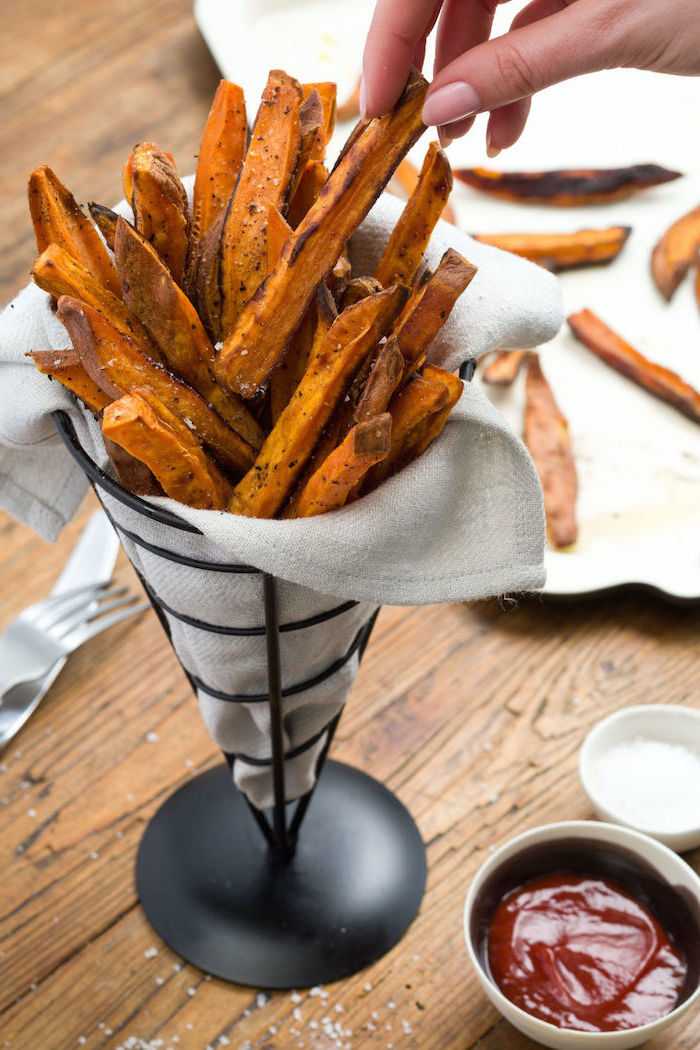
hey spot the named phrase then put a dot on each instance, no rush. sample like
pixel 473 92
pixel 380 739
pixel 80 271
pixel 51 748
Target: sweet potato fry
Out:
pixel 307 191
pixel 327 94
pixel 564 188
pixel 311 117
pixel 339 277
pixel 381 383
pixel 142 425
pixel 404 182
pixel 159 203
pixel 278 229
pixel 266 177
pixel 435 423
pixel 128 169
pixel 59 273
pixel 116 365
pixel 307 340
pixel 503 367
pixel 330 486
pixel 423 316
pixel 58 219
pixel 617 353
pixel 410 236
pixel 265 487
pixel 675 253
pixel 221 152
pixel 105 220
pixel 547 437
pixel 359 288
pixel 251 351
pixel 207 289
pixel 411 410
pixel 562 251
pixel 65 366
pixel 172 322
pixel 132 474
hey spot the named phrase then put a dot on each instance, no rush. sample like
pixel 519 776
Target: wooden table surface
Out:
pixel 471 714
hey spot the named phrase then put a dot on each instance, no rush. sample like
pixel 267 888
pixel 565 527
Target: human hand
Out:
pixel 549 41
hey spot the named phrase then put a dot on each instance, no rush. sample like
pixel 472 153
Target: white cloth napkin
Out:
pixel 464 521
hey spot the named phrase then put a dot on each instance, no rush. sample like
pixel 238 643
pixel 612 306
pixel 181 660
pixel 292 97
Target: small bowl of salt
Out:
pixel 640 767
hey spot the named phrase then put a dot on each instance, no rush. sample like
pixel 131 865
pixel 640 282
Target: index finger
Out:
pixel 396 31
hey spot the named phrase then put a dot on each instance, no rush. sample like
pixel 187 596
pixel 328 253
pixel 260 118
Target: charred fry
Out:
pixel 330 486
pixel 251 352
pixel 58 220
pixel 410 236
pixel 117 365
pixel 350 338
pixel 65 366
pixel 617 353
pixel 327 94
pixel 562 251
pixel 547 437
pixel 142 425
pixel 105 220
pixel 564 188
pixel 159 203
pixel 382 381
pixel 503 367
pixel 675 253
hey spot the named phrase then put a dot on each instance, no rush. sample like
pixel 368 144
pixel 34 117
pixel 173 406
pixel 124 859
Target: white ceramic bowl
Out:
pixel 650 871
pixel 668 723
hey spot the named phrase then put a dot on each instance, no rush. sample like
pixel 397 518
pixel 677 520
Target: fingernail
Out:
pixel 444 138
pixel 492 151
pixel 363 99
pixel 451 102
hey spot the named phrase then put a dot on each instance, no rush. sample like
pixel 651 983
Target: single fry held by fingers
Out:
pixel 330 486
pixel 151 433
pixel 257 344
pixel 562 251
pixel 567 188
pixel 66 367
pixel 503 367
pixel 409 239
pixel 263 490
pixel 675 253
pixel 612 348
pixel 58 219
pixel 547 437
pixel 116 365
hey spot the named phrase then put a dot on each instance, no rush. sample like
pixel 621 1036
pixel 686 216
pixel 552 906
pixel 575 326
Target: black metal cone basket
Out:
pixel 302 894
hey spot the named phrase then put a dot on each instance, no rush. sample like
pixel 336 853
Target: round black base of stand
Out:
pixel 213 890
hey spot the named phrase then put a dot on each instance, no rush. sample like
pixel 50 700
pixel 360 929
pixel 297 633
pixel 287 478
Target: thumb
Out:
pixel 525 60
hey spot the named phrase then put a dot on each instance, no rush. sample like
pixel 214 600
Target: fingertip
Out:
pixel 363 99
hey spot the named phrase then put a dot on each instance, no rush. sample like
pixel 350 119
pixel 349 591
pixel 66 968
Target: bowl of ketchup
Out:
pixel 586 935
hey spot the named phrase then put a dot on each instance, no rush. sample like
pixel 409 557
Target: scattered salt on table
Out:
pixel 651 784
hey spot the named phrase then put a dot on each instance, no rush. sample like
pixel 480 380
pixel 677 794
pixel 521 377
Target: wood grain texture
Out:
pixel 473 714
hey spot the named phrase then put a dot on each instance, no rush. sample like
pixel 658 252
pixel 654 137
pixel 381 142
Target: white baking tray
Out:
pixel 638 459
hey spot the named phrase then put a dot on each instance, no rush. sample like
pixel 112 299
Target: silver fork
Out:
pixel 50 630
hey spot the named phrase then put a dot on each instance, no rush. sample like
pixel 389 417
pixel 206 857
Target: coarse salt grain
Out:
pixel 150 953
pixel 666 800
pixel 151 738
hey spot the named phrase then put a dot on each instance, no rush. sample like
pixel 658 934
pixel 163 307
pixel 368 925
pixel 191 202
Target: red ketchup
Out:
pixel 582 953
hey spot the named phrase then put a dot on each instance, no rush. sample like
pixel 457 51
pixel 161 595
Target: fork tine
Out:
pixel 63 605
pixel 84 633
pixel 86 612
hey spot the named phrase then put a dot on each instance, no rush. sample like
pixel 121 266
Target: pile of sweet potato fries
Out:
pixel 233 358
